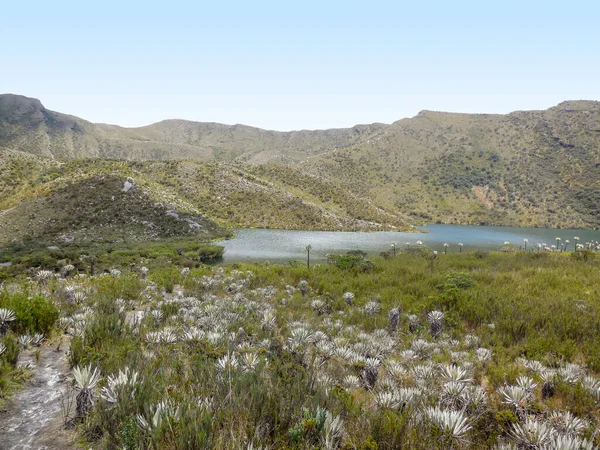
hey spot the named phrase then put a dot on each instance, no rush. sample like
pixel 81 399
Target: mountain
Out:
pixel 530 168
pixel 94 200
pixel 46 201
pixel 527 168
pixel 26 125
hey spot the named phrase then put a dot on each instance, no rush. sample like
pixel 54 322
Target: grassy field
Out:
pixel 472 350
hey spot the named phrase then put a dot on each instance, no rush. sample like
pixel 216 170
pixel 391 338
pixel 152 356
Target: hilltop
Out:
pixel 26 125
pixel 526 168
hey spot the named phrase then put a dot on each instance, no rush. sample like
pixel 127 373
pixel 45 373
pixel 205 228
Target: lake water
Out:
pixel 279 246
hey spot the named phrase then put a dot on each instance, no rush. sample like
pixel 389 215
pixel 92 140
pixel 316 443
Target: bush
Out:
pixel 353 260
pixel 34 314
pixel 11 354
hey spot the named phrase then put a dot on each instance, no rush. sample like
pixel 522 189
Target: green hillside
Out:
pixel 88 200
pixel 524 169
pixel 529 168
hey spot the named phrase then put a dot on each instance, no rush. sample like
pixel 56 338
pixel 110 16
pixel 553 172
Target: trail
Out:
pixel 32 420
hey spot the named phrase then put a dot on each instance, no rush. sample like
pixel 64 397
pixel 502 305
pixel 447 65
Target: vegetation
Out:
pixel 465 350
pixel 25 319
pixel 69 259
pixel 532 168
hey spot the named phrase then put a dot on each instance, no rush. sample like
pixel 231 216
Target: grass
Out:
pixel 276 356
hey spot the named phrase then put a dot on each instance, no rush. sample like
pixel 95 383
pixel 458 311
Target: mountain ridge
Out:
pixel 526 168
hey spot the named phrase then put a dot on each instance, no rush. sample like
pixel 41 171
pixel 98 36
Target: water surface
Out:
pixel 289 245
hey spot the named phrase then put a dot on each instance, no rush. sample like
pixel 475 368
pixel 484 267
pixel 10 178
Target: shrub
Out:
pixel 34 314
pixel 353 260
pixel 11 354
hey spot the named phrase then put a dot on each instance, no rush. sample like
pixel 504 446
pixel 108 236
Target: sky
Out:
pixel 297 65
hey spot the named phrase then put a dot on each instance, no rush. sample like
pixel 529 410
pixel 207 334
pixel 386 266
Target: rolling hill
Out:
pixel 527 168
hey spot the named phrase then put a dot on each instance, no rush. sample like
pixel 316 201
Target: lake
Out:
pixel 279 246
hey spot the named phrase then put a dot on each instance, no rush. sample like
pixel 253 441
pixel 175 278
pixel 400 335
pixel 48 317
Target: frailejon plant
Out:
pixel 435 323
pixel 6 316
pixel 86 380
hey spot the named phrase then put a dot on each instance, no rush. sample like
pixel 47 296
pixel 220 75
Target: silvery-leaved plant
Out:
pixel 531 434
pixel 435 323
pixel 424 372
pixel 86 380
pixel 567 423
pixel 371 308
pixel 421 348
pixel 248 361
pixel 453 395
pixel 592 385
pixel 119 385
pixel 351 382
pixel 456 374
pixel 471 341
pixel 37 339
pixel 409 355
pixel 516 397
pixel 533 366
pixel 413 323
pixel 44 275
pixel 333 431
pixel 527 383
pixel 570 442
pixel 24 341
pixel 325 382
pixel 387 399
pixel 303 285
pixel 157 414
pixel 319 306
pixel 570 373
pixel 79 297
pixel 396 370
pixel 456 423
pixel 483 355
pixel 227 363
pixel 348 297
pixel 6 316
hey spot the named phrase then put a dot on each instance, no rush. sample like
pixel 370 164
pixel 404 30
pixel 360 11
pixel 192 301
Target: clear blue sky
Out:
pixel 293 65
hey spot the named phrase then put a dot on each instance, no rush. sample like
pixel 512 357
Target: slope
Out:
pixel 117 201
pixel 538 168
pixel 527 168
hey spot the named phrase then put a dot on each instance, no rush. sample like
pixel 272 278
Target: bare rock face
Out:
pixel 129 183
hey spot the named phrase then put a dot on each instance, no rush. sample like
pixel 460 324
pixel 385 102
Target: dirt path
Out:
pixel 33 419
